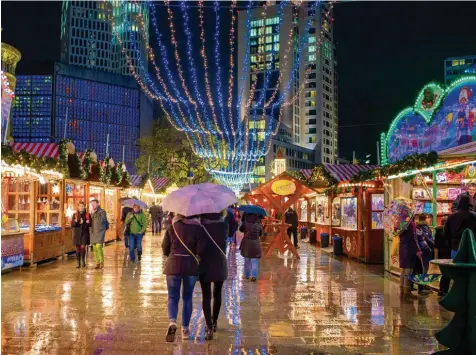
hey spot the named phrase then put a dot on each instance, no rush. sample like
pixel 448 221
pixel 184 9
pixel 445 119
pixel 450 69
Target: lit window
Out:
pixel 455 62
pixel 327 45
pixel 312 57
pixel 312 39
pixel 276 47
pixel 312 93
pixel 461 62
pixel 269 30
pixel 312 49
pixel 269 39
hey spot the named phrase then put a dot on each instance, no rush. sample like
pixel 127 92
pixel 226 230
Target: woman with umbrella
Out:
pixel 251 245
pixel 181 246
pixel 398 222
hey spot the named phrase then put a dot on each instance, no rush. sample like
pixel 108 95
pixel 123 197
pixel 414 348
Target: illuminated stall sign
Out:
pixel 440 119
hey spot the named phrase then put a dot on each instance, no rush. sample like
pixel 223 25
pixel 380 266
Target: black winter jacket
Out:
pixel 213 264
pixel 252 229
pixel 457 222
pixel 179 259
pixel 291 218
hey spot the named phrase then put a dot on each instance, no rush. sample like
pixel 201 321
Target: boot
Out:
pixel 83 257
pixel 102 265
pixel 98 266
pixel 78 260
pixel 139 255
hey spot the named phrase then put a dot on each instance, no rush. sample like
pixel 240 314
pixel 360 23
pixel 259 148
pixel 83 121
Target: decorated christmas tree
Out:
pixel 459 335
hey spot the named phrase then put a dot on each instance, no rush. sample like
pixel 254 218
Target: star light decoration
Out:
pixel 216 131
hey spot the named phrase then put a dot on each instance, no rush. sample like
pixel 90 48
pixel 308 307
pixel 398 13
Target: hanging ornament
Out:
pixel 55 189
pixel 39 200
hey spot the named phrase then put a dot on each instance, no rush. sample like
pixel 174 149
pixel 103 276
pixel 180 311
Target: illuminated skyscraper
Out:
pixel 89 38
pixel 457 66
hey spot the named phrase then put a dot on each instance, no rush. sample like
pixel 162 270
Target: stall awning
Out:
pixel 344 172
pixel 307 173
pixel 466 150
pixel 136 180
pixel 41 150
pixel 159 183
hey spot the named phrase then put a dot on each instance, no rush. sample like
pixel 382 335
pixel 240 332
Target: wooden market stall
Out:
pixel 356 212
pixel 33 198
pixel 279 193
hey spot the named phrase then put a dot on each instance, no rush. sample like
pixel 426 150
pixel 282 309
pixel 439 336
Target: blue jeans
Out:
pixel 156 225
pixel 135 241
pixel 251 267
pixel 174 283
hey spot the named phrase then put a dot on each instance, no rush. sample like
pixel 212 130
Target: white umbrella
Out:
pixel 133 201
pixel 198 199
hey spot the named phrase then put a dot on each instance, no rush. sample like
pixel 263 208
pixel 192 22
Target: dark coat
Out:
pixel 81 230
pixel 179 260
pixel 291 218
pixel 125 212
pixel 232 225
pixel 99 226
pixel 156 213
pixel 456 224
pixel 442 243
pixel 213 264
pixel 408 247
pixel 252 229
pixel 472 202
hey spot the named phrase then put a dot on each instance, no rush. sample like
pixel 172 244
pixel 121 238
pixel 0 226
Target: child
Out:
pixel 250 245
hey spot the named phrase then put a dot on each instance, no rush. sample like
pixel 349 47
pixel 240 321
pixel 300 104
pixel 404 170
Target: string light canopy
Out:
pixel 220 122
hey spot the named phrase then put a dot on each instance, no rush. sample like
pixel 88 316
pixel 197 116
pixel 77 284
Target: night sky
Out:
pixel 386 52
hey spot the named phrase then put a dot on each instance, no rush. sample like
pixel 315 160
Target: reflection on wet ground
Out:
pixel 315 305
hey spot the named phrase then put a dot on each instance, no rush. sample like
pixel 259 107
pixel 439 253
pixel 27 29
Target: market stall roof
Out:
pixel 280 192
pixel 467 150
pixel 158 183
pixel 342 172
pixel 41 150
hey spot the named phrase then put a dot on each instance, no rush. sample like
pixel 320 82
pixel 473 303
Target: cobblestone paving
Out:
pixel 315 305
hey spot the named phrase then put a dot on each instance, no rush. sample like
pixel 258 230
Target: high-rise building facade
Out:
pixel 93 34
pixel 457 66
pixel 85 106
pixel 310 111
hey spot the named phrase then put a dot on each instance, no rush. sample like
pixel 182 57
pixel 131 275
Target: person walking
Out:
pixel 181 269
pixel 232 225
pixel 99 226
pixel 250 245
pixel 156 215
pixel 291 218
pixel 457 222
pixel 409 253
pixel 138 225
pixel 213 266
pixel 471 193
pixel 427 245
pixel 81 223
pixel 127 231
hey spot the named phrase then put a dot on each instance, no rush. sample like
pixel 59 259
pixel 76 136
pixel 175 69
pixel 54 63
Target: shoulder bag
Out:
pixel 211 238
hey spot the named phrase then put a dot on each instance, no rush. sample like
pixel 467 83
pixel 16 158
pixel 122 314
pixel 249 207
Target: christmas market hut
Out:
pixel 32 180
pixel 276 196
pixel 350 210
pixel 429 152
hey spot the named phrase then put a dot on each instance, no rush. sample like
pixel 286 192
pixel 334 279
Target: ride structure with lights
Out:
pixel 229 126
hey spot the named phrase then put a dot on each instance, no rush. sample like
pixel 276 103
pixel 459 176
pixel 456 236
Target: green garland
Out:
pixel 117 174
pixel 410 162
pixel 319 174
pixel 25 159
pixel 105 173
pixel 87 163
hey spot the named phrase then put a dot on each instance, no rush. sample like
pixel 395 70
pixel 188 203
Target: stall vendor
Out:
pixel 472 198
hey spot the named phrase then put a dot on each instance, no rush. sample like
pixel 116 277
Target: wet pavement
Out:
pixel 316 305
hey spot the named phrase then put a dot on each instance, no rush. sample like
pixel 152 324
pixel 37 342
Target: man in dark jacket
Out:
pixel 471 193
pixel 291 218
pixel 232 224
pixel 127 230
pixel 156 215
pixel 457 222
